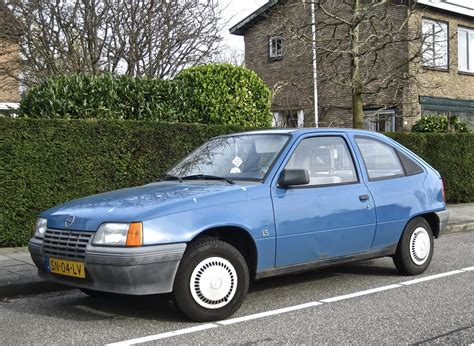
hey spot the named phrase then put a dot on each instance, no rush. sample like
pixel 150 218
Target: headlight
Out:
pixel 40 227
pixel 119 234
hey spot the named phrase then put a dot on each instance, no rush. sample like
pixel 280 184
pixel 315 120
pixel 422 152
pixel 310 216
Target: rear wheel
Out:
pixel 212 280
pixel 415 249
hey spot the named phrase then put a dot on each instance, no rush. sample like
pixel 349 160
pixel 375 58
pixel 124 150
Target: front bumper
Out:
pixel 443 217
pixel 135 271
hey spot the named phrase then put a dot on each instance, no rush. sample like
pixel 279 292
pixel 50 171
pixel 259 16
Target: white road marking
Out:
pixel 165 335
pixel 361 293
pixel 283 310
pixel 431 277
pixel 268 313
pixel 94 311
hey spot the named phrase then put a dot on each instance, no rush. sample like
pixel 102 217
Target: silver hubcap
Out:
pixel 420 246
pixel 213 283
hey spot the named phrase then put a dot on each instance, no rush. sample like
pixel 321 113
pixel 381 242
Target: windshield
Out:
pixel 245 157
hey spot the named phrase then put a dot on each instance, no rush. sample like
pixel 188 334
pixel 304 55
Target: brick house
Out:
pixel 9 57
pixel 442 82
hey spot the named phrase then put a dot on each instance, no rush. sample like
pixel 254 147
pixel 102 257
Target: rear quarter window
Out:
pixel 410 166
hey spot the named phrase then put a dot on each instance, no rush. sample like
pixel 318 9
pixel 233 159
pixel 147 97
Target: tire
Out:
pixel 415 248
pixel 212 281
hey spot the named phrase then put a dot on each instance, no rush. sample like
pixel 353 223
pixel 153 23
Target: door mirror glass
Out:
pixel 292 177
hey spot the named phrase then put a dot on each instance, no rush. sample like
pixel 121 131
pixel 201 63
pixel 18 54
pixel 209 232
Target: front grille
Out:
pixel 66 244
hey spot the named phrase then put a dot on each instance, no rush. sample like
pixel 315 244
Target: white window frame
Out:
pixel 275 52
pixel 301 118
pixel 277 119
pixel 466 50
pixel 435 45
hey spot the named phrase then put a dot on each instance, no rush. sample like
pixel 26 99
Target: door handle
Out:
pixel 364 197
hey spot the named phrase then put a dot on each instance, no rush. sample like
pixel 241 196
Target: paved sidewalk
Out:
pixel 18 275
pixel 461 217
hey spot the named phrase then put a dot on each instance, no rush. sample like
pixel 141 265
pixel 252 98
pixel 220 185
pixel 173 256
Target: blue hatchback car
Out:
pixel 243 207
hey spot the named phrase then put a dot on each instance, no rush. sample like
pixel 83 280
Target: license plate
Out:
pixel 67 267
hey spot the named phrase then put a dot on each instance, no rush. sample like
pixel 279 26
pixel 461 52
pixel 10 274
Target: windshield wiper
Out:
pixel 167 176
pixel 207 177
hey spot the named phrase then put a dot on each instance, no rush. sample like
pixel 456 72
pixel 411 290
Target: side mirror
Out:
pixel 291 177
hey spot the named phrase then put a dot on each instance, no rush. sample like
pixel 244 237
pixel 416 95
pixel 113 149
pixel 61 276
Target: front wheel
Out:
pixel 212 281
pixel 415 249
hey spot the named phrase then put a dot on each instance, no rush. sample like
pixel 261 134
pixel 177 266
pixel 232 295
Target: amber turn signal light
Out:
pixel 135 234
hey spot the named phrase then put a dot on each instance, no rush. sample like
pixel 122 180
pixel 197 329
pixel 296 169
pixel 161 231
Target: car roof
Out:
pixel 306 130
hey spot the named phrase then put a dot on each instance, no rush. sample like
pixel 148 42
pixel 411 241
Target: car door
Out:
pixel 397 185
pixel 333 215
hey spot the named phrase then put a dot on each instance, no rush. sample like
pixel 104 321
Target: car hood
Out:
pixel 141 203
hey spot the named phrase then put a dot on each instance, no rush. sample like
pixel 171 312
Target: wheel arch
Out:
pixel 237 237
pixel 432 220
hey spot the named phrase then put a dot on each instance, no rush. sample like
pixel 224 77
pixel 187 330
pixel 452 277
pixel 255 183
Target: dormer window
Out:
pixel 275 47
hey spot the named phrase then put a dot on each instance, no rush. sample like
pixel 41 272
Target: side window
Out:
pixel 380 159
pixel 410 166
pixel 327 160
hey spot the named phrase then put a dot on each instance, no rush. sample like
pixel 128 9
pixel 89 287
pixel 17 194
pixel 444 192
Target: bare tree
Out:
pixel 229 55
pixel 136 37
pixel 365 48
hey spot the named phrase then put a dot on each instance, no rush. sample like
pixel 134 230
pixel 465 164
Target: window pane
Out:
pixel 327 160
pixel 275 47
pixel 471 51
pixel 428 56
pixel 462 49
pixel 435 43
pixel 441 47
pixel 411 167
pixel 380 159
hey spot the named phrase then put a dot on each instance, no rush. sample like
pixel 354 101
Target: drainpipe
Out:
pixel 315 71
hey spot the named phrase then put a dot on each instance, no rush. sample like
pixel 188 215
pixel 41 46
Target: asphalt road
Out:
pixel 438 310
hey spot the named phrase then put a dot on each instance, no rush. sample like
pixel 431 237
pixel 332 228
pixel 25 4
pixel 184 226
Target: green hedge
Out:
pixel 440 124
pixel 83 96
pixel 210 94
pixel 452 154
pixel 46 162
pixel 223 94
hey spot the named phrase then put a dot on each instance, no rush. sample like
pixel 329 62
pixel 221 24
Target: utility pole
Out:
pixel 315 70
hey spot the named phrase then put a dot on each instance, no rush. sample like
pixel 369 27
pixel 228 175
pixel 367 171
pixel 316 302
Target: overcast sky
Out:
pixel 237 10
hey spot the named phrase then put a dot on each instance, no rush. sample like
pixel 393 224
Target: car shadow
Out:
pixel 378 267
pixel 77 306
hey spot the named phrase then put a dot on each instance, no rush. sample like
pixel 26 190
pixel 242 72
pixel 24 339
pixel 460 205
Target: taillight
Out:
pixel 442 190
